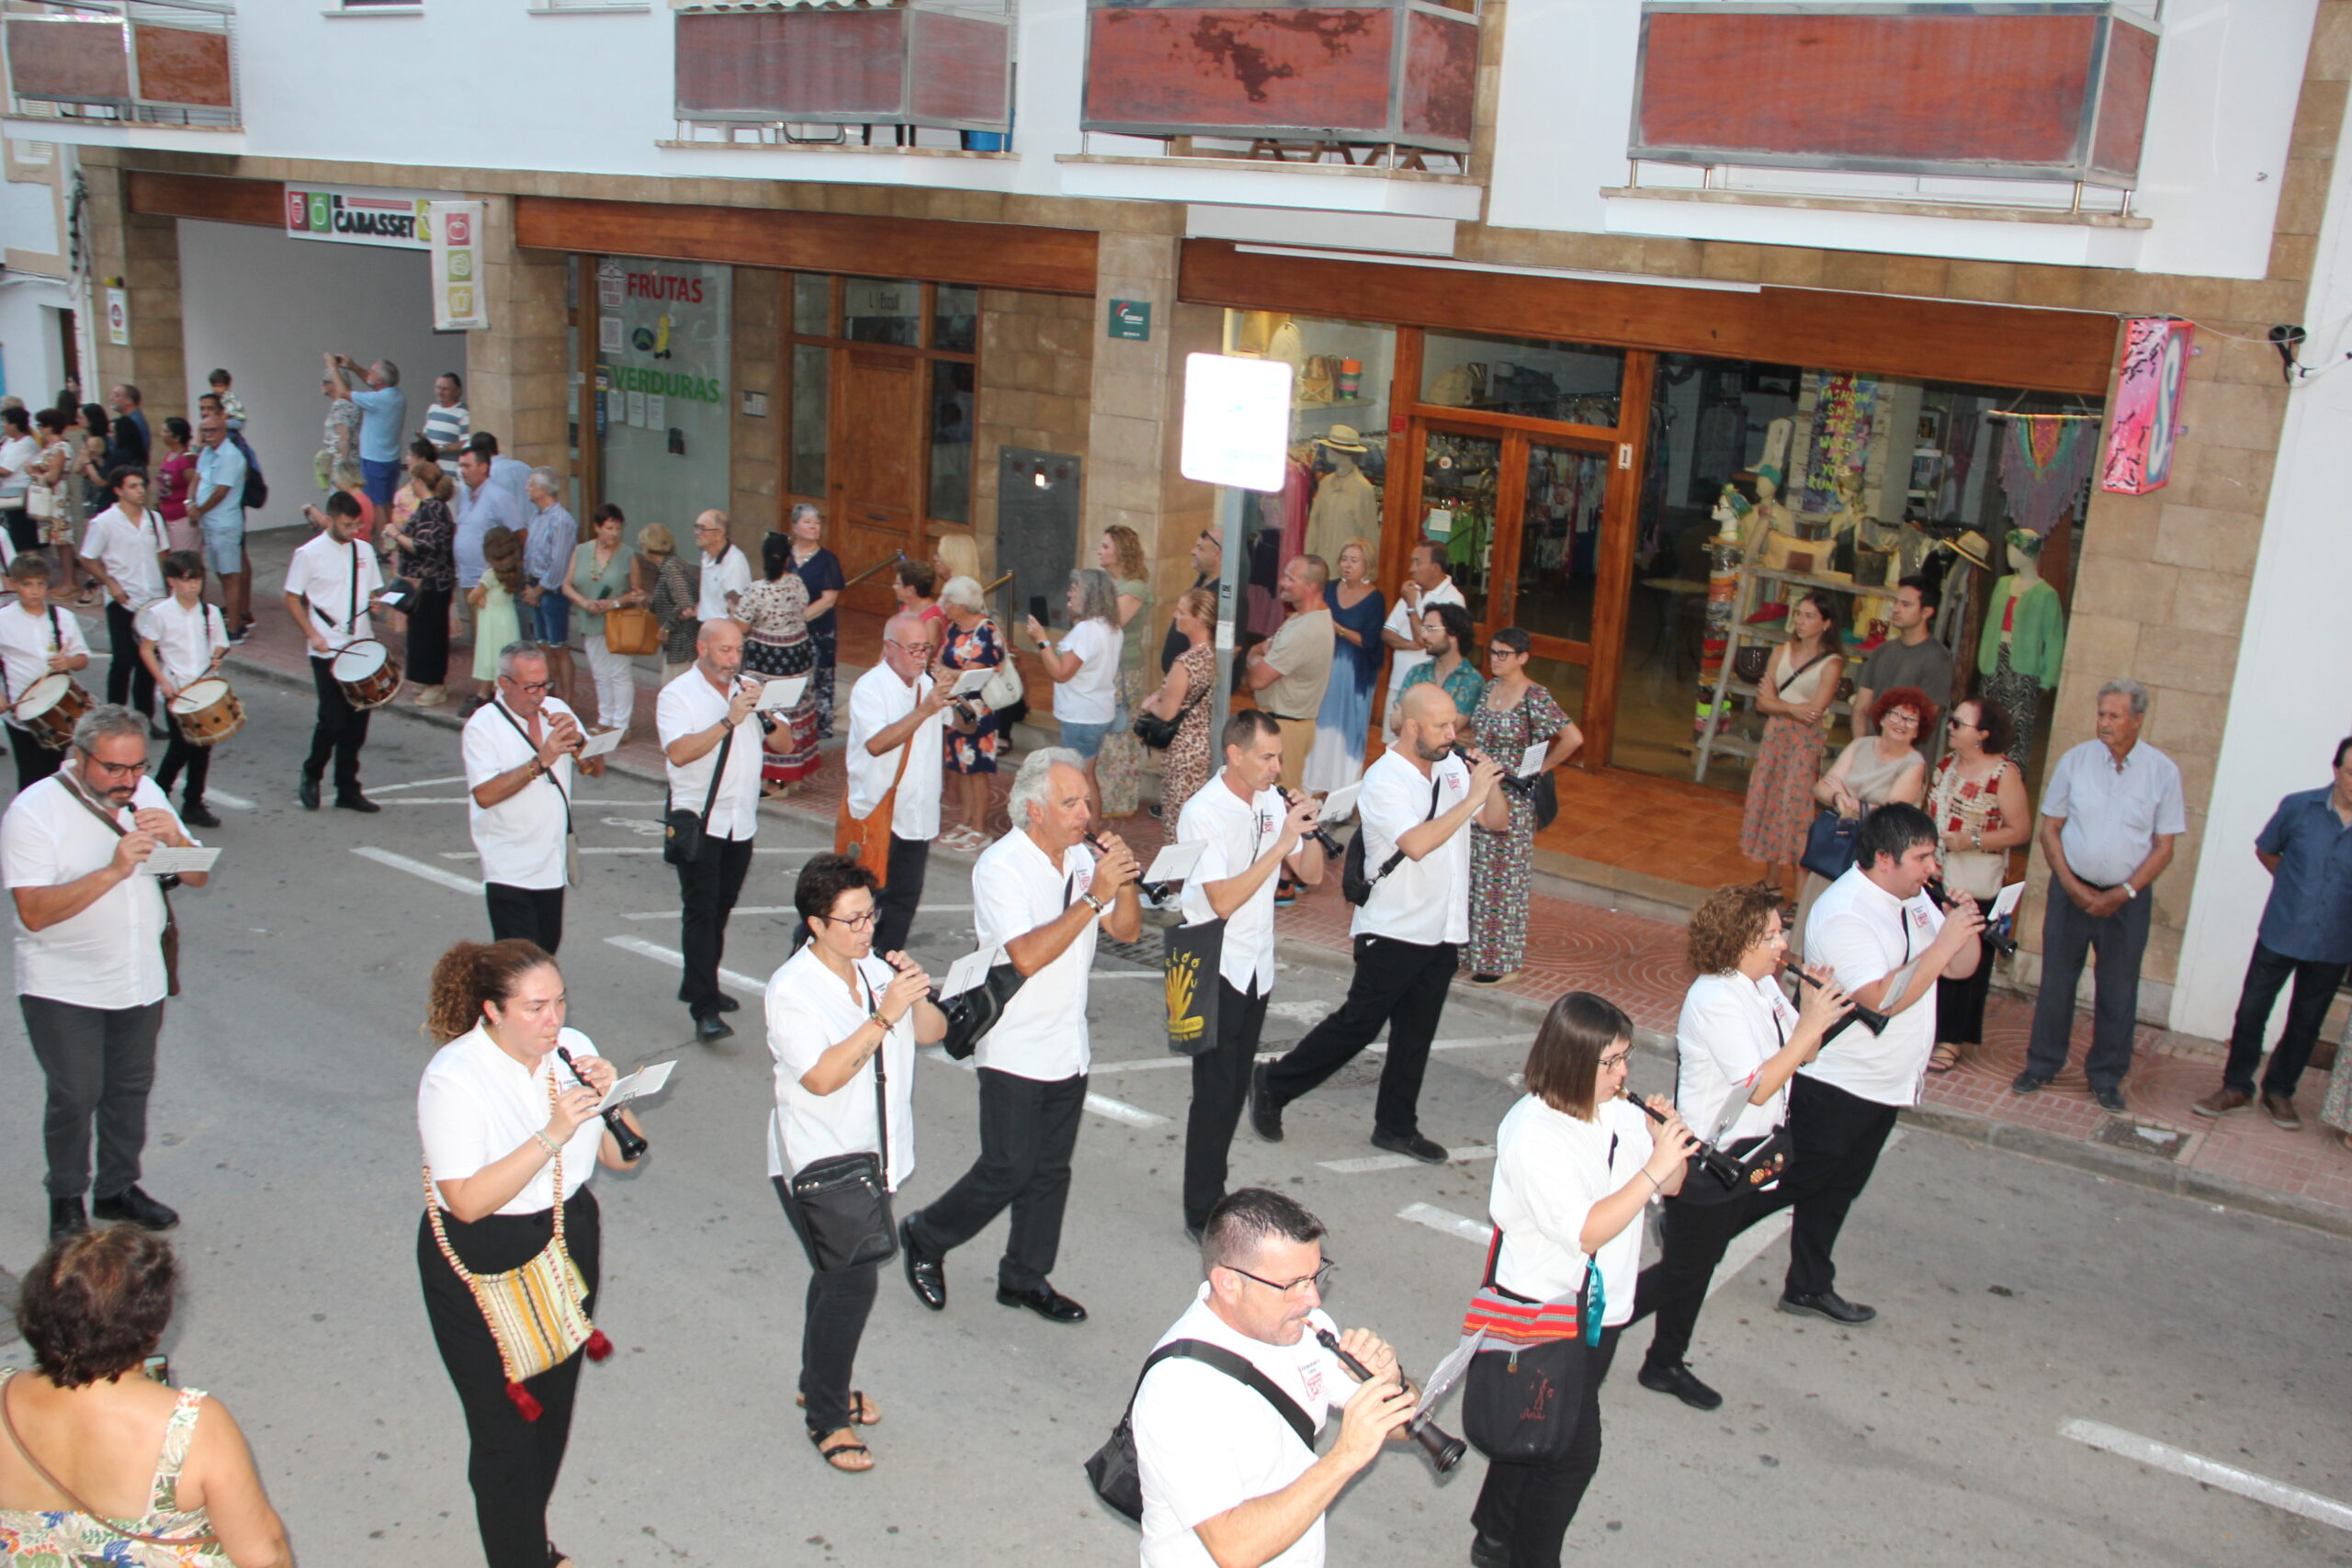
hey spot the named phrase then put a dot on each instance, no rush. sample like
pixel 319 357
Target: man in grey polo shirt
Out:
pixel 2109 818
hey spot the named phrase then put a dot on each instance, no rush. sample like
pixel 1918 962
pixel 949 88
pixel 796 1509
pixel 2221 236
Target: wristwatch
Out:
pixel 2129 891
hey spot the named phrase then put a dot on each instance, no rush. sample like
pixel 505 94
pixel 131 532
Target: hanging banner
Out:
pixel 2147 405
pixel 458 299
pixel 118 317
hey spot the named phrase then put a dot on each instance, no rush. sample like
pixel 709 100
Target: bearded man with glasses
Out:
pixel 91 970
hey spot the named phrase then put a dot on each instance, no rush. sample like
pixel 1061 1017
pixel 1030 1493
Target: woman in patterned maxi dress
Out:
pixel 1800 683
pixel 1514 714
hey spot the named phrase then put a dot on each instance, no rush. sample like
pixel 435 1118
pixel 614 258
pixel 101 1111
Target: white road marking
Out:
pixel 733 979
pixel 414 784
pixel 460 800
pixel 1397 1161
pixel 1100 1104
pixel 233 802
pixel 1447 1223
pixel 2209 1472
pixel 419 869
pixel 1746 1247
pixel 1380 1047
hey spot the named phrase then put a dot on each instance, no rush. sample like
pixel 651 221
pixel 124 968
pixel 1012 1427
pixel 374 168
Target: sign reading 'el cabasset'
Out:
pixel 358 218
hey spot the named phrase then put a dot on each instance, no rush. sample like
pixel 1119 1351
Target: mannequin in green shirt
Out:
pixel 2024 640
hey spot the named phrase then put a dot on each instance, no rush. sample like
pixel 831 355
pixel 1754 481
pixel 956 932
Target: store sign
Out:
pixel 1131 319
pixel 1237 422
pixel 458 302
pixel 118 317
pixel 347 216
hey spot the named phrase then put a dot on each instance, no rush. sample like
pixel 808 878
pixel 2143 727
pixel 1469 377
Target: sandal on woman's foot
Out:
pixel 851 1458
pixel 1943 1058
pixel 861 1409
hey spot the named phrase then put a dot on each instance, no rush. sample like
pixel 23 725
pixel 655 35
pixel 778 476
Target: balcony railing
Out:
pixel 136 61
pixel 2055 91
pixel 804 76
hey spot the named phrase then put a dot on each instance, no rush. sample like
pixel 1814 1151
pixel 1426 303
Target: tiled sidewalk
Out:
pixel 1638 962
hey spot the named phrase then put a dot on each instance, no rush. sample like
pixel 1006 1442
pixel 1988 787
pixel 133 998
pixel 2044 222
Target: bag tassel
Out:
pixel 598 1346
pixel 530 1407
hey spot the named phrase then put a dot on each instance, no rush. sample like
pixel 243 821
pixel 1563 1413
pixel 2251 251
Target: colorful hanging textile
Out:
pixel 2044 464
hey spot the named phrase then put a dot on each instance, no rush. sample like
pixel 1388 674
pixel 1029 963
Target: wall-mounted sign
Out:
pixel 1131 319
pixel 1236 420
pixel 2147 405
pixel 458 297
pixel 118 317
pixel 344 215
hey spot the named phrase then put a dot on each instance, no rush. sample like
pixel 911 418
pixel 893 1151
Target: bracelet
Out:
pixel 547 1143
pixel 1653 1181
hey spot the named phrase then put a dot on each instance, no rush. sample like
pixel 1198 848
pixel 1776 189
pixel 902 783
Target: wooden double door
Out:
pixel 876 468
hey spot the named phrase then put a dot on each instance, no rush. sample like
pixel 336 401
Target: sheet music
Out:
pixel 637 1086
pixel 968 971
pixel 168 861
pixel 1531 761
pixel 970 681
pixel 1340 805
pixel 1174 862
pixel 782 692
pixel 2006 903
pixel 600 742
pixel 392 596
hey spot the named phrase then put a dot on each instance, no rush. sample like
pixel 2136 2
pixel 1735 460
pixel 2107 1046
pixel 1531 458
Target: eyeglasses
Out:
pixel 116 770
pixel 1502 653
pixel 914 648
pixel 1957 723
pixel 528 686
pixel 1318 1278
pixel 1618 1058
pixel 855 923
pixel 1903 715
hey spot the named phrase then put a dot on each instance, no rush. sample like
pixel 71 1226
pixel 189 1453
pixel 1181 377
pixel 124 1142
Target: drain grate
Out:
pixel 2141 1137
pixel 1146 951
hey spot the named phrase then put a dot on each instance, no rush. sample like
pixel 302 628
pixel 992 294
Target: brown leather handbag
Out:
pixel 866 840
pixel 632 629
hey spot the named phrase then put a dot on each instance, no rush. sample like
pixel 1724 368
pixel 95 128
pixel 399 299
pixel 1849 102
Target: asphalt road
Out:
pixel 2016 1297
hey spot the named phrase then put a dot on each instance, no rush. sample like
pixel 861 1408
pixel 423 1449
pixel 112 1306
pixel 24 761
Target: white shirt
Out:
pixel 131 552
pixel 1550 1170
pixel 1866 933
pixel 322 574
pixel 111 955
pixel 27 640
pixel 690 704
pixel 1208 1443
pixel 810 1012
pixel 185 639
pixel 730 573
pixel 1015 890
pixel 520 838
pixel 477 1105
pixel 1405 620
pixel 18 454
pixel 1236 832
pixel 1088 697
pixel 1730 1027
pixel 1425 901
pixel 879 700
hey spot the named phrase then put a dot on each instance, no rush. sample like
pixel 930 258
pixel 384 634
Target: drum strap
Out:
pixel 351 621
pixel 56 645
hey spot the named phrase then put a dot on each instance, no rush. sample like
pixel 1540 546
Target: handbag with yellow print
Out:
pixel 534 1313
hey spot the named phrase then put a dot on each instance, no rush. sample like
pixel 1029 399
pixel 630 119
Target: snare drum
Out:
pixel 368 672
pixel 208 712
pixel 49 709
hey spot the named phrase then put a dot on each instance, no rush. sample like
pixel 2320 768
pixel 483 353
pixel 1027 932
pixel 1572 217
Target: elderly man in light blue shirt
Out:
pixel 547 562
pixel 480 507
pixel 2109 815
pixel 383 418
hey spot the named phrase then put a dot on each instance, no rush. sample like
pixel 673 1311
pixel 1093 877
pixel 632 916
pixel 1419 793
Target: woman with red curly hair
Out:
pixel 1873 770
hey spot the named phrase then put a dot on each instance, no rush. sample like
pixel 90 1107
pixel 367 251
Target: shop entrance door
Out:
pixel 1538 536
pixel 878 483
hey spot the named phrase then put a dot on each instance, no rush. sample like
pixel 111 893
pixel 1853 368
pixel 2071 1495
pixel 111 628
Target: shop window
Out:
pixel 1572 383
pixel 1559 542
pixel 882 310
pixel 1460 477
pixel 809 407
pixel 954 323
pixel 661 380
pixel 812 304
pixel 951 440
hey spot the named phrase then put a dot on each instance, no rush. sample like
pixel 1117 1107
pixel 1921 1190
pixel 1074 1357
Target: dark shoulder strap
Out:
pixel 1241 1369
pixel 8 1423
pixel 562 794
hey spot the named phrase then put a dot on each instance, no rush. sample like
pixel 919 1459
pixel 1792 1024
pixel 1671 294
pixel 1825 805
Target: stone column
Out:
pixel 144 254
pixel 517 387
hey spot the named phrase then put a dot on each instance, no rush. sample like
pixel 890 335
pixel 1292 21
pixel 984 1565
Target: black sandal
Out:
pixel 861 1409
pixel 833 1456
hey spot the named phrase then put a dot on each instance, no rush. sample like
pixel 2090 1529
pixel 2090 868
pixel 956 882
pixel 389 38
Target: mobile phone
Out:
pixel 158 1367
pixel 1037 610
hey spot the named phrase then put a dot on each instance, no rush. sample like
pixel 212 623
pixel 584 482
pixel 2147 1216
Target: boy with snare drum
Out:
pixel 183 640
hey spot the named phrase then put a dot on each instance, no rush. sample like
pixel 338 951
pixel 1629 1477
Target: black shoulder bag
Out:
pixel 1161 733
pixel 972 1012
pixel 683 830
pixel 844 1201
pixel 1354 885
pixel 1114 1473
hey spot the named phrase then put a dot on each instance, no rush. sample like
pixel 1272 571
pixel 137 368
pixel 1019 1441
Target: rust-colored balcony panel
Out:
pixel 895 67
pixel 68 60
pixel 2057 91
pixel 1401 72
pixel 180 65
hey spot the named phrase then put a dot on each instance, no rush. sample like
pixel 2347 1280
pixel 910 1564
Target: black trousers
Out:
pixel 512 1462
pixel 1400 984
pixel 341 731
pixel 179 753
pixel 428 638
pixel 535 914
pixel 35 761
pixel 2266 974
pixel 24 529
pixel 2067 936
pixel 1220 1090
pixel 99 1063
pixel 1834 1143
pixel 1692 1238
pixel 1960 1004
pixel 708 888
pixel 1531 1505
pixel 127 674
pixel 894 906
pixel 833 1321
pixel 1027 1130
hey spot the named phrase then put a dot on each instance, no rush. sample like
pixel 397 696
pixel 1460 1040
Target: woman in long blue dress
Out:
pixel 1345 718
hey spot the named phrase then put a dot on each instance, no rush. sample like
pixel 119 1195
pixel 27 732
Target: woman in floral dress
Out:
pixel 1513 714
pixel 1119 768
pixel 971 642
pixel 1185 692
pixel 778 644
pixel 1800 683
